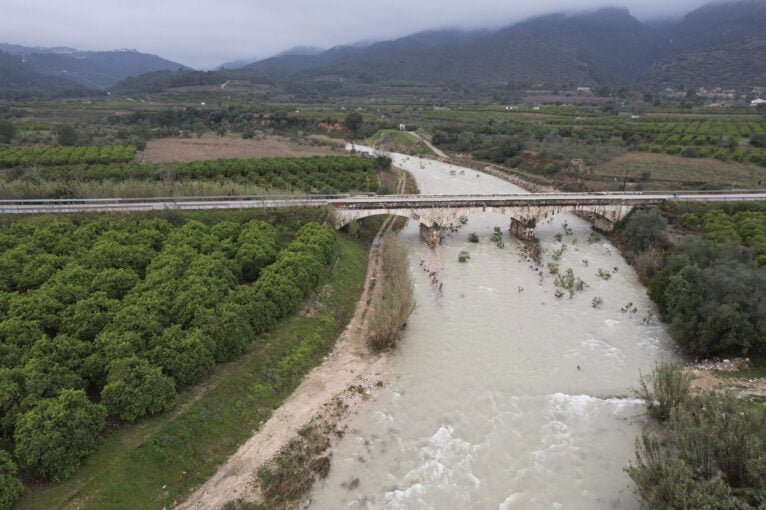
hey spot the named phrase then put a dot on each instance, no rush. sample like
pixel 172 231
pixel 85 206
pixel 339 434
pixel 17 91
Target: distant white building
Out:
pixel 757 102
pixel 402 127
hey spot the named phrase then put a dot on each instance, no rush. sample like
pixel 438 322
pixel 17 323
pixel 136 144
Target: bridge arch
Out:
pixel 523 219
pixel 343 217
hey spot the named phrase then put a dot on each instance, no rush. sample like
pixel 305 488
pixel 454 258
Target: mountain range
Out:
pixel 49 71
pixel 718 45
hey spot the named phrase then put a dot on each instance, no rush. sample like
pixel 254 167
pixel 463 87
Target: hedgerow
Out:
pixel 22 156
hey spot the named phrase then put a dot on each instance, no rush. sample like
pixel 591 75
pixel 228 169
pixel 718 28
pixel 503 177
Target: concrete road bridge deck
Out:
pixel 432 211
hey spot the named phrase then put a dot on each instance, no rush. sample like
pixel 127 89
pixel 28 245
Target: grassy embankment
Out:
pixel 400 141
pixel 157 462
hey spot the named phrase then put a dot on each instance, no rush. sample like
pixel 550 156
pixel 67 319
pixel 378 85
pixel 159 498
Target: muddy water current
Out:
pixel 503 395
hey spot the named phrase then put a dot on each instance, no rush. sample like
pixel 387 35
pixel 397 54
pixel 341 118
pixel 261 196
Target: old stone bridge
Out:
pixel 436 212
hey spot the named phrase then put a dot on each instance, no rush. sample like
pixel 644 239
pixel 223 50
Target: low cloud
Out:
pixel 204 34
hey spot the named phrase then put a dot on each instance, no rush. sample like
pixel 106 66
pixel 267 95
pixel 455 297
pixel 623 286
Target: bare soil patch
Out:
pixel 198 149
pixel 735 376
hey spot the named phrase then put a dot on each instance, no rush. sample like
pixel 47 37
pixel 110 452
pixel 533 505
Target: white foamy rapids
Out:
pixel 445 464
pixel 494 397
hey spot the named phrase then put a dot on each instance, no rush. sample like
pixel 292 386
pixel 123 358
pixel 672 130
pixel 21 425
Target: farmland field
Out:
pixel 198 149
pixel 680 172
pixel 107 316
pixel 319 174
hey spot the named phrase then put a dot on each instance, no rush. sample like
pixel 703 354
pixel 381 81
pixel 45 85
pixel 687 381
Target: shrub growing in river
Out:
pixel 664 389
pixel 473 237
pixel 463 256
pixel 569 282
pixel 497 237
pixel 603 274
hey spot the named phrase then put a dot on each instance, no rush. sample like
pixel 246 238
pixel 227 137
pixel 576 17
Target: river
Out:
pixel 502 395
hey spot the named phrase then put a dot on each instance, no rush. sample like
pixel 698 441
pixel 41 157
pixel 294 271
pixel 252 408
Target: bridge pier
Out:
pixel 603 223
pixel 431 235
pixel 523 228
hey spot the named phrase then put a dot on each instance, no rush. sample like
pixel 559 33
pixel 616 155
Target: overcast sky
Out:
pixel 206 33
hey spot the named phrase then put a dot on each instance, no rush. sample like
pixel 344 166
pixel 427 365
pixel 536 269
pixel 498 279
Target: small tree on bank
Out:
pixel 353 122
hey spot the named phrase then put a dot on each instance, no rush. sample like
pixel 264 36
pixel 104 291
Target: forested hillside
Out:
pixel 49 71
pixel 719 45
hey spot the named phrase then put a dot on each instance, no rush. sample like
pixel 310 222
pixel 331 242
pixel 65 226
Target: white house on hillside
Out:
pixel 757 102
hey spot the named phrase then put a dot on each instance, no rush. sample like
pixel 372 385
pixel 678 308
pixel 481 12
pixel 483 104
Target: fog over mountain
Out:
pixel 205 34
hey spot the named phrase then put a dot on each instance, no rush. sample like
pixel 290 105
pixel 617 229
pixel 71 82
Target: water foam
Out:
pixel 445 462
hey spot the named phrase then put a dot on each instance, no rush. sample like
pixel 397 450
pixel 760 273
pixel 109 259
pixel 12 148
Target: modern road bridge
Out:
pixel 432 211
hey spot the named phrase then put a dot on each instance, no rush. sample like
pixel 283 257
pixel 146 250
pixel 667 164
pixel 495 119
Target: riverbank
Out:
pixel 348 376
pixel 724 370
pixel 325 396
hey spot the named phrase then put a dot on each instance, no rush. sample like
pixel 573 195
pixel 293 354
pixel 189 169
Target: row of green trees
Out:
pixel 124 313
pixel 25 156
pixel 744 227
pixel 323 174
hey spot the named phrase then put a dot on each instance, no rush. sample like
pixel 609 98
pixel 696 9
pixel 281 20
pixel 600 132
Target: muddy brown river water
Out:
pixel 502 395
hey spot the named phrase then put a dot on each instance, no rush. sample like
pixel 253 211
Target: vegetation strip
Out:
pixel 17 156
